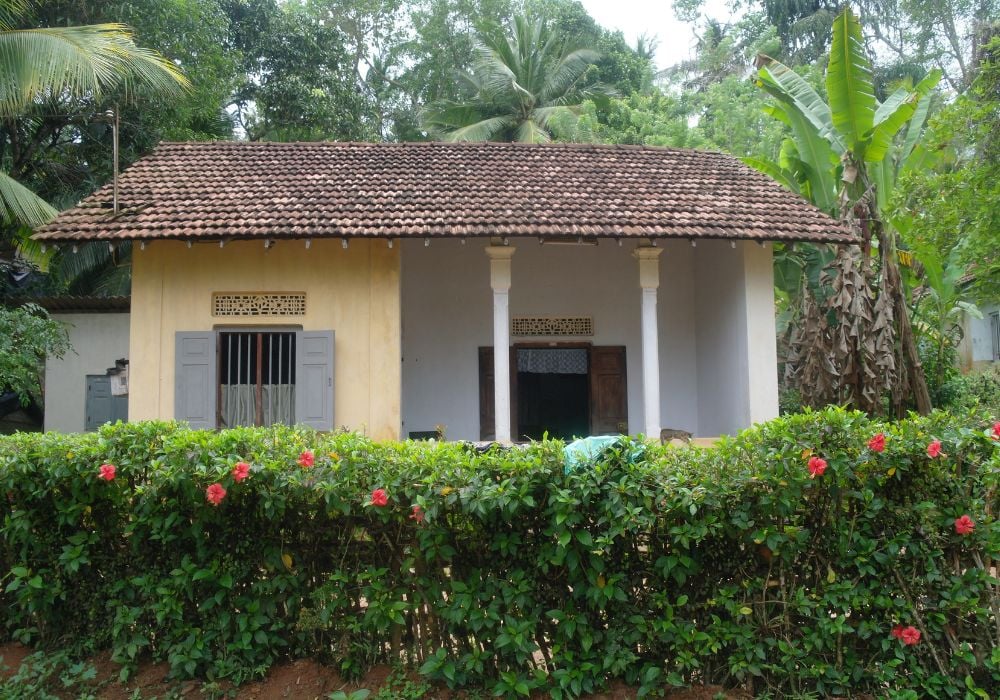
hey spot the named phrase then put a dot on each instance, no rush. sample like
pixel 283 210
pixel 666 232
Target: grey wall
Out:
pixel 98 340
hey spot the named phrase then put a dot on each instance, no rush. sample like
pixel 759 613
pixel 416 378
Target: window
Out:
pixel 995 334
pixel 256 378
pixel 236 377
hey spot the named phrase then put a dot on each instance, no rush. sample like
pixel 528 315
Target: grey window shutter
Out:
pixel 195 379
pixel 314 379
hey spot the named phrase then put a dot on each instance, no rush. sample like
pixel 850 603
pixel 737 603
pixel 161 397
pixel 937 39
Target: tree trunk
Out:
pixel 892 284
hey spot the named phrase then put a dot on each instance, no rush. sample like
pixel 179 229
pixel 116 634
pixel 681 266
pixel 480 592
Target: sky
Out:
pixel 653 17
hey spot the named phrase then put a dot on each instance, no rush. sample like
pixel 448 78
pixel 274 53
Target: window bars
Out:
pixel 256 378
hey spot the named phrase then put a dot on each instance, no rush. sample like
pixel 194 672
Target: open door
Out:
pixel 487 403
pixel 608 391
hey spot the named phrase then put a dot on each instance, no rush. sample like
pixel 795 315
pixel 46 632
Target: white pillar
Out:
pixel 500 256
pixel 649 281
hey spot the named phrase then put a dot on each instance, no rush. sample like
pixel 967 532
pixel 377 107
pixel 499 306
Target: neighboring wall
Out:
pixel 354 292
pixel 448 314
pixel 98 339
pixel 980 334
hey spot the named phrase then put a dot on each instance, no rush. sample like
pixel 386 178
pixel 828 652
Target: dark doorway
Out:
pixel 552 393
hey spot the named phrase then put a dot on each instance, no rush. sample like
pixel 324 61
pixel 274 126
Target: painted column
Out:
pixel 500 256
pixel 649 281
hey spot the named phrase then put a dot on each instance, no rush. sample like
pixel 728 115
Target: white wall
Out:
pixel 737 354
pixel 98 339
pixel 980 335
pixel 447 315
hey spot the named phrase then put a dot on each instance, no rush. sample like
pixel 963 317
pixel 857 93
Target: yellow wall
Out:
pixel 354 292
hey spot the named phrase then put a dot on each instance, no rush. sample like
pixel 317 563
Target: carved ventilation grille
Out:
pixel 259 304
pixel 535 325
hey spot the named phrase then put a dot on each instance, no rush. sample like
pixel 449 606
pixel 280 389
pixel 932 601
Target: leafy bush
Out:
pixel 976 390
pixel 794 558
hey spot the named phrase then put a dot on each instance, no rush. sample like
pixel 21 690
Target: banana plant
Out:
pixel 845 155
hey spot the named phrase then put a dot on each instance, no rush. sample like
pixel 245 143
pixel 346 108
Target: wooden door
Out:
pixel 608 390
pixel 487 402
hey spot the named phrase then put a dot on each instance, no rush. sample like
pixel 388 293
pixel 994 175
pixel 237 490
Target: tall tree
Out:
pixel 519 83
pixel 855 344
pixel 45 70
pixel 300 81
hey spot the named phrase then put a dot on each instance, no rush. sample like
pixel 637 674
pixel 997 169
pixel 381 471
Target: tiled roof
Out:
pixel 75 304
pixel 221 190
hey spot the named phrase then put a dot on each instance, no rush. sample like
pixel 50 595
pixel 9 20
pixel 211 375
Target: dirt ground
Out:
pixel 304 679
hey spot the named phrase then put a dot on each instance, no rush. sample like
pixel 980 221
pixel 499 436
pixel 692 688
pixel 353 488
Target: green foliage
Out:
pixel 519 82
pixel 728 565
pixel 956 205
pixel 974 391
pixel 42 673
pixel 27 336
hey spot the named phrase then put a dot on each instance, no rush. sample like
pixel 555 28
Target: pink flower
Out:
pixel 964 525
pixel 909 635
pixel 379 498
pixel 241 471
pixel 897 631
pixel 215 493
pixel 877 443
pixel 934 449
pixel 817 465
pixel 996 430
pixel 107 472
pixel 417 514
pixel 306 459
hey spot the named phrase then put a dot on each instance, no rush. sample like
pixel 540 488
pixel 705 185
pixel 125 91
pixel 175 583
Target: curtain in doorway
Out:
pixel 552 360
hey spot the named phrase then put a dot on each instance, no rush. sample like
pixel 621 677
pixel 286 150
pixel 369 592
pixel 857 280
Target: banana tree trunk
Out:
pixel 913 373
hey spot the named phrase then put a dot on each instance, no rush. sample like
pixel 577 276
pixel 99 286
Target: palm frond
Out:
pixel 79 61
pixel 11 11
pixel 530 131
pixel 483 130
pixel 21 205
pixel 568 69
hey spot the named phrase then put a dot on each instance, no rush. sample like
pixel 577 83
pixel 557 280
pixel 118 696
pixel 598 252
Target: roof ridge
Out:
pixel 455 144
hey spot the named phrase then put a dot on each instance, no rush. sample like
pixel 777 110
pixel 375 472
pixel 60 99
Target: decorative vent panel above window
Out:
pixel 537 325
pixel 259 304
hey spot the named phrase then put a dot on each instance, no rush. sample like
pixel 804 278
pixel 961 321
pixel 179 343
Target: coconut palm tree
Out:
pixel 518 85
pixel 55 66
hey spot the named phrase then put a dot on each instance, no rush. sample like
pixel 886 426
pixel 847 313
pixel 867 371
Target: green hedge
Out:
pixel 729 565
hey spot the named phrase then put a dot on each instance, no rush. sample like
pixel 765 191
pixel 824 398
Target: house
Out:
pixel 367 285
pixel 78 392
pixel 77 387
pixel 979 348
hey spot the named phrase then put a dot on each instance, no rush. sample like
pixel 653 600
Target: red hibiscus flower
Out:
pixel 909 635
pixel 897 631
pixel 380 498
pixel 877 443
pixel 241 471
pixel 107 472
pixel 215 493
pixel 934 449
pixel 964 525
pixel 817 465
pixel 417 514
pixel 996 430
pixel 306 459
